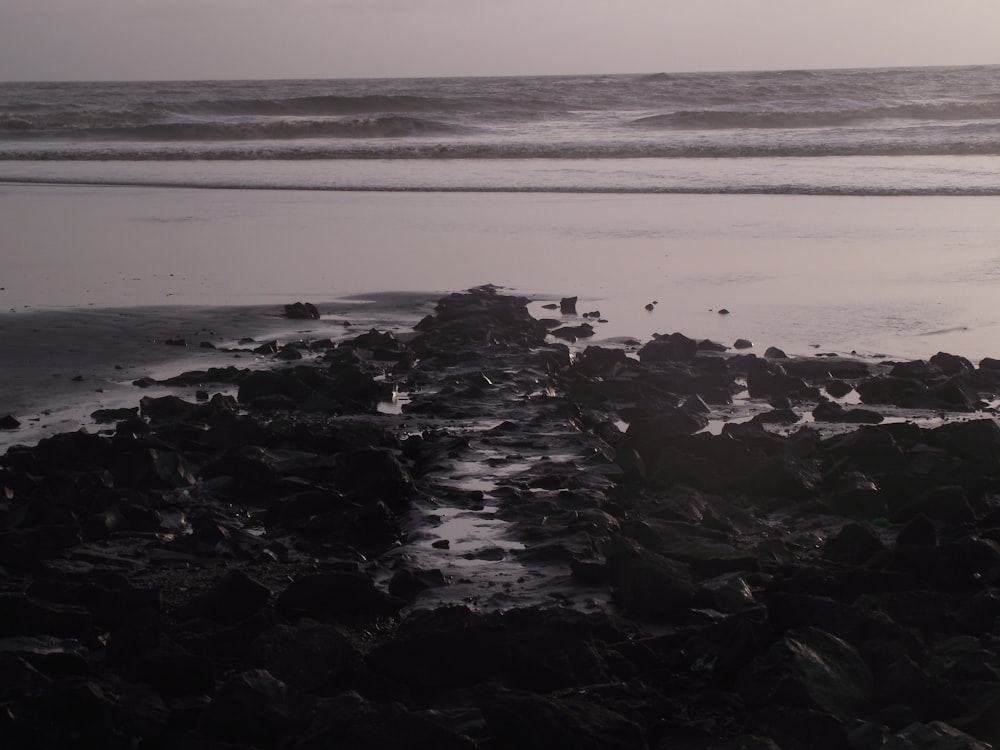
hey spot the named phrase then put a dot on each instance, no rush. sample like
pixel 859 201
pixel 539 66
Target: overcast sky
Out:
pixel 198 39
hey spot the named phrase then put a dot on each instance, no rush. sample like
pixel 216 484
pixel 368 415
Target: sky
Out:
pixel 221 39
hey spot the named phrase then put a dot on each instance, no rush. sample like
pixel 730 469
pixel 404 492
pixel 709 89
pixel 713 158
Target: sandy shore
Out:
pixel 95 279
pixel 900 276
pixel 71 363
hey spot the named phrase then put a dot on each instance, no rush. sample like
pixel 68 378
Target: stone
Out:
pixel 567 305
pixel 648 585
pixel 307 656
pixel 325 595
pixel 302 311
pixel 235 596
pixel 448 647
pixel 811 669
pixel 673 348
pixel 529 721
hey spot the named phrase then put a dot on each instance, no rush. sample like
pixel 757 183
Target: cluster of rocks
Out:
pixel 236 572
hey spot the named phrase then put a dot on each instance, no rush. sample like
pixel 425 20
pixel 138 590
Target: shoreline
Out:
pixel 529 533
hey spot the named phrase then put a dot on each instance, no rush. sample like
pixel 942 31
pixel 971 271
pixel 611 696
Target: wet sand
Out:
pixel 99 277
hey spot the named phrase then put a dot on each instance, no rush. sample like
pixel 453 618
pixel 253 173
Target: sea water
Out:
pixel 860 132
pixel 834 210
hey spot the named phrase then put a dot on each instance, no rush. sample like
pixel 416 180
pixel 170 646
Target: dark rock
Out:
pixel 773 352
pixel 854 544
pixel 742 344
pixel 951 364
pixel 308 656
pixel 948 503
pixel 768 380
pixel 336 595
pixel 9 422
pixel 567 305
pixel 406 584
pixel 809 668
pixel 534 722
pixel 828 411
pixel 572 333
pixel 252 707
pixel 553 649
pixel 673 348
pixel 235 596
pixel 302 311
pixel 106 416
pixel 935 735
pixel 649 585
pixel 448 647
pixel 838 388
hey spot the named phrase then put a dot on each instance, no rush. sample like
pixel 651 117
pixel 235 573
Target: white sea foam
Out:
pixel 904 115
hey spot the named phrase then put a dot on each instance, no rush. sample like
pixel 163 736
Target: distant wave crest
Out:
pixel 711 119
pixel 386 126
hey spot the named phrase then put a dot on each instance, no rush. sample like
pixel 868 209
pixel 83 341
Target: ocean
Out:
pixel 841 211
pixel 903 131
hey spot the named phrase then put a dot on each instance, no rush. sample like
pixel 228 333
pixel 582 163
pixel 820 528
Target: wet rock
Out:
pixel 828 411
pixel 252 707
pixel 235 596
pixel 406 584
pixel 811 669
pixel 536 722
pixel 448 647
pixel 572 333
pixel 935 735
pixel 766 379
pixel 567 305
pixel 553 649
pixel 647 584
pixel 9 422
pixel 327 595
pixel 854 544
pixel 742 344
pixel 307 656
pixel 673 348
pixel 838 388
pixel 302 311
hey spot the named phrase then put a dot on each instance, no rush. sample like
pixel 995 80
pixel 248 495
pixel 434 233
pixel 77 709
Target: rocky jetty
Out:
pixel 536 547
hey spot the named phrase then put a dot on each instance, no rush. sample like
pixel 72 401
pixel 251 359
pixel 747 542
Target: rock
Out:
pixel 327 595
pixel 742 344
pixel 572 333
pixel 673 348
pixel 302 311
pixel 406 584
pixel 773 352
pixel 935 735
pixel 253 707
pixel 838 388
pixel 535 722
pixel 567 305
pixel 235 596
pixel 552 649
pixel 9 422
pixel 649 586
pixel 811 669
pixel 828 411
pixel 951 364
pixel 308 656
pixel 448 647
pixel 854 544
pixel 768 380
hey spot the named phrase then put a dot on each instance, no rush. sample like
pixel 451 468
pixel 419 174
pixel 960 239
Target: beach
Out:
pixel 100 276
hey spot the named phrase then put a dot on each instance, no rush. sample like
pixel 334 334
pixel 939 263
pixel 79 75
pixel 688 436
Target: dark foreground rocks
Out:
pixel 708 551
